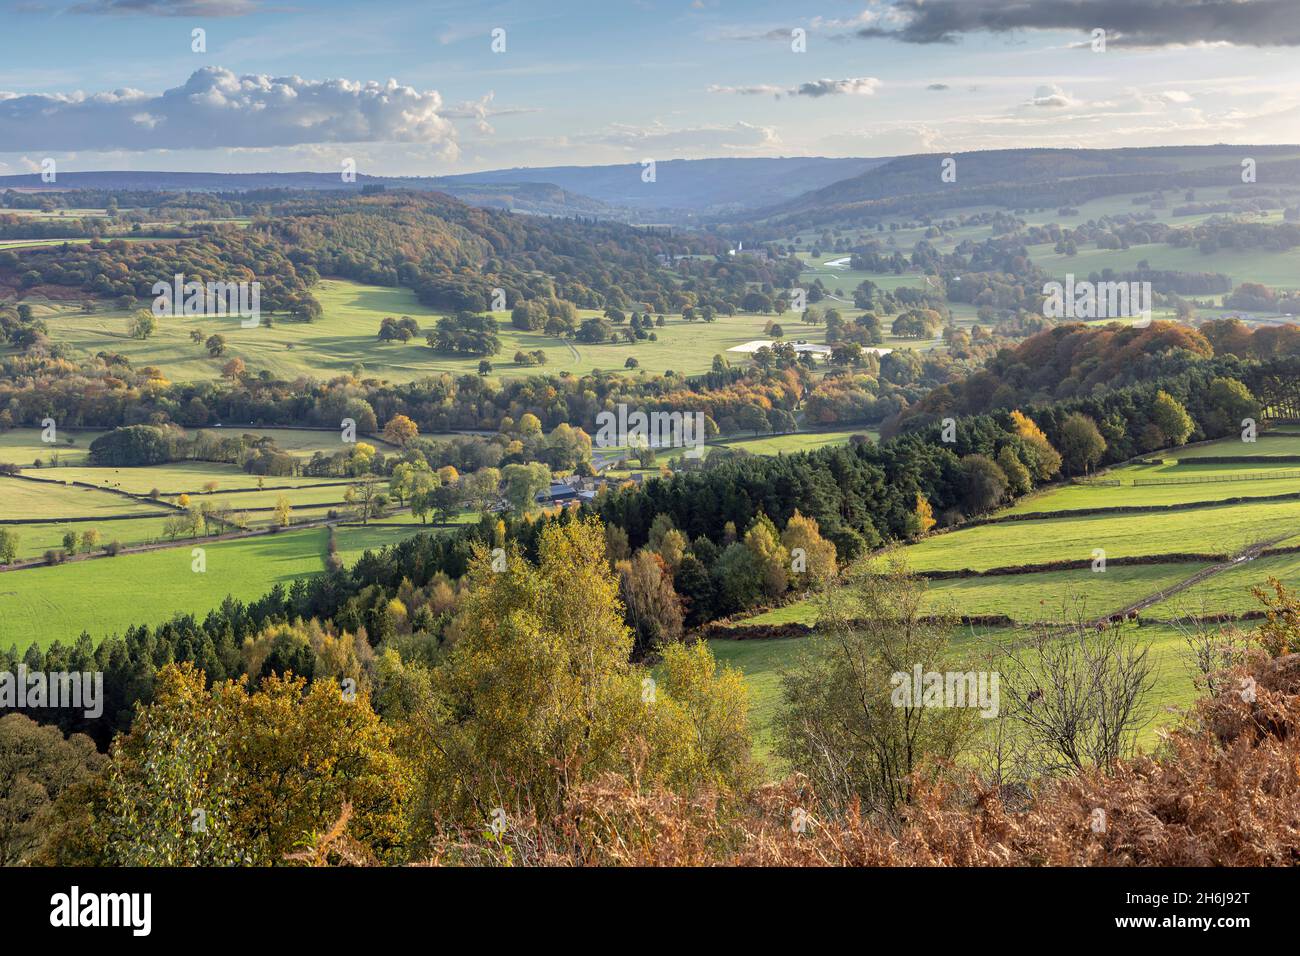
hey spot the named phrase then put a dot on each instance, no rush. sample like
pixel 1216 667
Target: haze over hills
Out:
pixel 680 189
pixel 810 192
pixel 538 198
pixel 703 186
pixel 1026 177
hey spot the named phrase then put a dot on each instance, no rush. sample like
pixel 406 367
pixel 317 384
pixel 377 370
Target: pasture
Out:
pixel 24 447
pixel 762 661
pixel 344 340
pixel 47 500
pixel 1037 597
pixel 104 596
pixel 1221 530
pixel 793 441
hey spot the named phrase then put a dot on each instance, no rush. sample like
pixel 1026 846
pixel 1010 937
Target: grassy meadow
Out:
pixel 345 338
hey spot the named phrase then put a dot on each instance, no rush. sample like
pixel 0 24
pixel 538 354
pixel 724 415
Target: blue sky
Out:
pixel 415 87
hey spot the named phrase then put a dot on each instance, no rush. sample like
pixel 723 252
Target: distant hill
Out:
pixel 705 187
pixel 538 198
pixel 682 190
pixel 1019 178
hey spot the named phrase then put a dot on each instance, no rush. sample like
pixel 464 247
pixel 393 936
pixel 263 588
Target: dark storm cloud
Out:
pixel 1126 22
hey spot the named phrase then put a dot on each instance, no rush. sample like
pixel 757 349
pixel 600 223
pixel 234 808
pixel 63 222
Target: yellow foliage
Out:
pixel 1025 426
pixel 924 514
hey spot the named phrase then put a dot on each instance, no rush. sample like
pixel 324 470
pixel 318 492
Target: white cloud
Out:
pixel 762 89
pixel 215 108
pixel 1052 96
pixel 851 86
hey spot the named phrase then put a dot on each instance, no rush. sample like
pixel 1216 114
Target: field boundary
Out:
pixel 1131 509
pixel 206 539
pixel 1075 564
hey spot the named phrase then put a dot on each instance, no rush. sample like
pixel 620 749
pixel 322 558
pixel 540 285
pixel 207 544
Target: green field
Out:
pixel 184 477
pixel 794 441
pixel 1224 529
pixel 23 446
pixel 1043 596
pixel 1084 594
pixel 353 541
pixel 35 538
pixel 1266 446
pixel 345 337
pixel 761 661
pixel 35 501
pixel 300 441
pixel 105 595
pixel 1279 270
pixel 1229 592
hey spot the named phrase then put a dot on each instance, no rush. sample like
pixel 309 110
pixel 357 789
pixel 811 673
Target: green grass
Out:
pixel 1028 598
pixel 48 500
pixel 353 542
pixel 35 538
pixel 300 441
pixel 1223 529
pixel 106 595
pixel 1266 446
pixel 761 661
pixel 309 495
pixel 23 446
pixel 187 477
pixel 1274 269
pixel 345 336
pixel 1229 591
pixel 1128 495
pixel 795 441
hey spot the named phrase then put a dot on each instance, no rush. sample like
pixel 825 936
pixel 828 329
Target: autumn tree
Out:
pixel 653 608
pixel 1171 418
pixel 538 692
pixel 924 514
pixel 1019 481
pixel 812 557
pixel 236 776
pixel 400 430
pixel 522 484
pixel 37 766
pixel 771 558
pixel 1042 460
pixel 840 722
pixel 142 324
pixel 1082 445
pixel 8 545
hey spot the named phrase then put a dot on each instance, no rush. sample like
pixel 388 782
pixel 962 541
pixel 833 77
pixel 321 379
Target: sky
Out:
pixel 436 87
